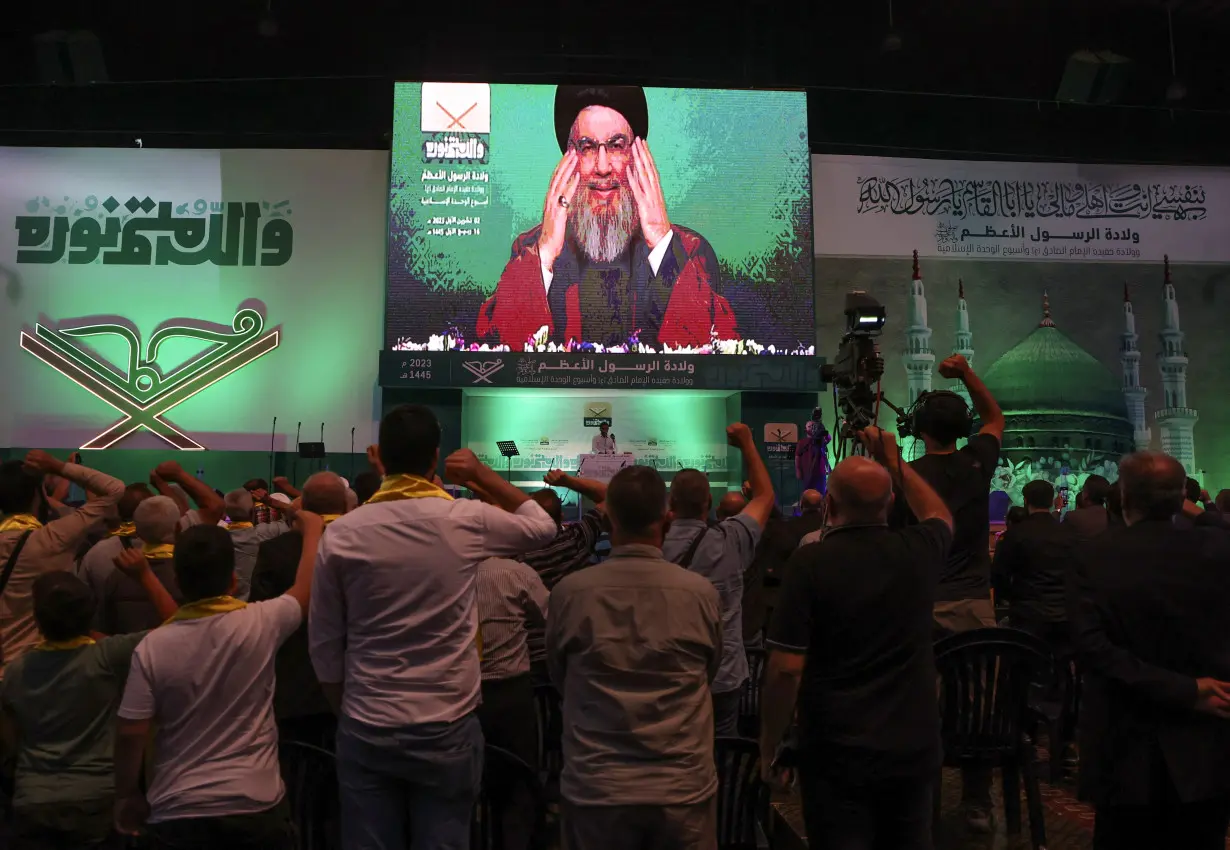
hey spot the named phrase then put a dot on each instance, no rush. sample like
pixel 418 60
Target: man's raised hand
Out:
pixel 646 188
pixel 563 184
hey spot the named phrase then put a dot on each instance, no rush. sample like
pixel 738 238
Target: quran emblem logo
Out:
pixel 140 389
pixel 482 370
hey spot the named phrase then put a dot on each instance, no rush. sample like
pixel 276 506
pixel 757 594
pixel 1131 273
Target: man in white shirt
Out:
pixel 205 681
pixel 603 442
pixel 393 637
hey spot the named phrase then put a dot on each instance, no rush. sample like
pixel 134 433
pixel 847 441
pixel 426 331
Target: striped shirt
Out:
pixel 511 598
pixel 570 551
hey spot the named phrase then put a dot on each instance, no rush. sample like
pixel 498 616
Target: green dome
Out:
pixel 1048 371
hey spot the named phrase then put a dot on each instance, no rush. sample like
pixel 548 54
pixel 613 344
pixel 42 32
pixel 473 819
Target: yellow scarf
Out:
pixel 158 551
pixel 124 529
pixel 207 608
pixel 236 526
pixel 20 522
pixel 398 487
pixel 57 645
pixel 328 518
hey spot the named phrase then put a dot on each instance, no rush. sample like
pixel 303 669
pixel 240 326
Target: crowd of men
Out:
pixel 160 640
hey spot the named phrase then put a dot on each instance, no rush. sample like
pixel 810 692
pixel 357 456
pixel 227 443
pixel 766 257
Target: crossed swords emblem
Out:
pixel 142 393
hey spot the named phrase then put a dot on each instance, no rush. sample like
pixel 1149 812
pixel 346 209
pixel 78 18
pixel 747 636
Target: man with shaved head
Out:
pixel 850 646
pixel 732 504
pixel 1148 604
pixel 299 704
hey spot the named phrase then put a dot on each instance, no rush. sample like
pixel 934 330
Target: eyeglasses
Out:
pixel 616 146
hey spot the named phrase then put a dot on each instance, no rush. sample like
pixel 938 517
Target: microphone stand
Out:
pixel 272 438
pixel 324 460
pixel 351 455
pixel 294 473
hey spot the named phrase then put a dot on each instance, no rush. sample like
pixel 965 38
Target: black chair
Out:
pixel 743 798
pixel 985 680
pixel 749 699
pixel 549 709
pixel 1060 715
pixel 511 809
pixel 310 775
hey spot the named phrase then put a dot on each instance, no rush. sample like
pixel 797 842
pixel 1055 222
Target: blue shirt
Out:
pixel 724 554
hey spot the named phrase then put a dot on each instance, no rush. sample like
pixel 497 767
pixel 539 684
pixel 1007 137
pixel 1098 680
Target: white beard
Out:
pixel 603 234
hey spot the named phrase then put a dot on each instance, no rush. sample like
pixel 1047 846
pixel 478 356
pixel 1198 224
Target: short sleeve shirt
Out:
pixel 64 703
pixel 859 604
pixel 208 686
pixel 963 481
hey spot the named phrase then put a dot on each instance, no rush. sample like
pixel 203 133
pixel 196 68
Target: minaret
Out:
pixel 1175 420
pixel 1133 393
pixel 965 339
pixel 919 359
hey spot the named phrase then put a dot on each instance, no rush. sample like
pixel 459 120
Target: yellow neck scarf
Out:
pixel 207 608
pixel 236 526
pixel 158 551
pixel 398 487
pixel 20 522
pixel 58 645
pixel 328 518
pixel 124 529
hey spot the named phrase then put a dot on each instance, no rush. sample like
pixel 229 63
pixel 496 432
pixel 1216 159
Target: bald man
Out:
pixel 299 705
pixel 1148 605
pixel 732 504
pixel 851 636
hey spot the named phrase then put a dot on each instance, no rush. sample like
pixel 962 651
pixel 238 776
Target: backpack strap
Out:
pixel 12 561
pixel 686 560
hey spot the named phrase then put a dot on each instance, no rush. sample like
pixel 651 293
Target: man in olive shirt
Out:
pixel 633 645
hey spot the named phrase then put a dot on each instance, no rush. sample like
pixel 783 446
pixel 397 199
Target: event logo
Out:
pixel 456 122
pixel 781 432
pixel 140 390
pixel 597 413
pixel 231 235
pixel 482 370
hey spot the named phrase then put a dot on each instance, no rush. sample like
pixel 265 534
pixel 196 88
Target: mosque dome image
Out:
pixel 1059 401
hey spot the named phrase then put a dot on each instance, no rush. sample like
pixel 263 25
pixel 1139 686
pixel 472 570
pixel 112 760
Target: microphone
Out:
pixel 352 453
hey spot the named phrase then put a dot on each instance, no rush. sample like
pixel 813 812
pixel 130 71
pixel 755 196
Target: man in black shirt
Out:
pixel 852 636
pixel 1033 561
pixel 962 477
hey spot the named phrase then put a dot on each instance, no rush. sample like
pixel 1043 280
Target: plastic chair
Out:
pixel 985 679
pixel 511 809
pixel 743 798
pixel 749 699
pixel 548 708
pixel 1060 716
pixel 310 775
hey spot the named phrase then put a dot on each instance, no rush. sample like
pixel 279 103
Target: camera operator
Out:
pixel 962 477
pixel 853 633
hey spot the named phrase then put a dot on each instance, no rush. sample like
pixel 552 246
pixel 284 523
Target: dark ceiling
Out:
pixel 972 76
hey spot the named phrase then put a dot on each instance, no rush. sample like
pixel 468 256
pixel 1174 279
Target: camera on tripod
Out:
pixel 858 366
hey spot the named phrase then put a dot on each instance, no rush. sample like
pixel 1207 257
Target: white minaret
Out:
pixel 1175 420
pixel 919 358
pixel 965 339
pixel 1133 393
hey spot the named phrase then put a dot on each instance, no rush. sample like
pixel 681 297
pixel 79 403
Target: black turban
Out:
pixel 628 101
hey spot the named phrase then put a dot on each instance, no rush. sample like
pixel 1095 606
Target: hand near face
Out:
pixel 647 190
pixel 40 461
pixel 563 184
pixel 462 467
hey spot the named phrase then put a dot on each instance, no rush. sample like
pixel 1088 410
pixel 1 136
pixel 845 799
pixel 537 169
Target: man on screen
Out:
pixel 606 266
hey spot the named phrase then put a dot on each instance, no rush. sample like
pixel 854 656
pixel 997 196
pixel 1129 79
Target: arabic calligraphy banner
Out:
pixel 486 248
pixel 176 298
pixel 583 370
pixel 1031 211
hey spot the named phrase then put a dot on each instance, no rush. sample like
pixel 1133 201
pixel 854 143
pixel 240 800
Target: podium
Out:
pixel 603 467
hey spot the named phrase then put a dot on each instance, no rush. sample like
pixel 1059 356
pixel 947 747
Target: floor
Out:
pixel 1069 823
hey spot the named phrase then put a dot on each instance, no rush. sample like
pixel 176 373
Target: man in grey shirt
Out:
pixel 722 554
pixel 633 644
